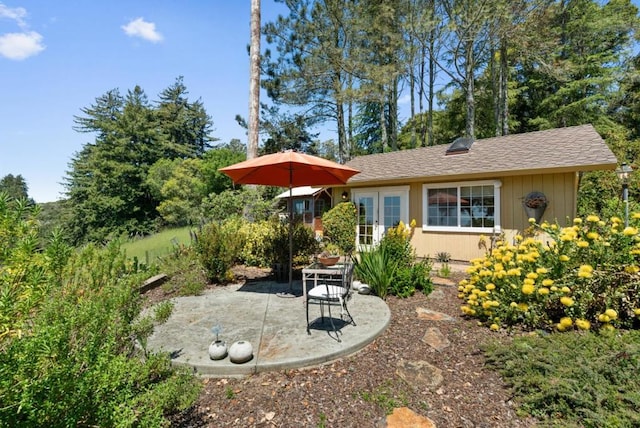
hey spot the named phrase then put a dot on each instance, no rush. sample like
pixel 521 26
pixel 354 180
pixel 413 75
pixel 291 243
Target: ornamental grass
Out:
pixel 584 276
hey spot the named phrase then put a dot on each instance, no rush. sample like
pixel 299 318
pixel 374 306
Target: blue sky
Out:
pixel 57 57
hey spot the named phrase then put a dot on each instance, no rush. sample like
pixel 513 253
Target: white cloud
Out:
pixel 17 14
pixel 19 46
pixel 22 45
pixel 143 29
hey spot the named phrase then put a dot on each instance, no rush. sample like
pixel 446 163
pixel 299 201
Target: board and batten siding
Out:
pixel 560 189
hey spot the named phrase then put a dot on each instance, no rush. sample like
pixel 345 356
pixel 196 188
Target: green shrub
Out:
pixel 575 380
pixel 304 243
pixel 377 269
pixel 246 202
pixel 339 225
pixel 76 363
pixel 218 248
pixel 585 277
pixel 257 237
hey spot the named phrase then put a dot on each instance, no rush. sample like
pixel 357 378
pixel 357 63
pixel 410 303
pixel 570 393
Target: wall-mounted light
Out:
pixel 623 175
pixel 345 195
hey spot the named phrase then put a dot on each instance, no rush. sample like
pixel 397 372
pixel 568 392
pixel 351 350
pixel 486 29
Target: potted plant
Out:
pixel 330 254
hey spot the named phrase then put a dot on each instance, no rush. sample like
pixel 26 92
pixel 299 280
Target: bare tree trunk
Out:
pixel 342 134
pixel 470 89
pixel 504 87
pixel 254 81
pixel 393 114
pixel 383 128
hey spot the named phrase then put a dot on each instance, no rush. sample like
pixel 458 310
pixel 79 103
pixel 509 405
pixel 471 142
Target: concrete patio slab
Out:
pixel 274 325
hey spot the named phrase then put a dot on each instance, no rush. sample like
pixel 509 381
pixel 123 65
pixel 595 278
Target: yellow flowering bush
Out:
pixel 583 276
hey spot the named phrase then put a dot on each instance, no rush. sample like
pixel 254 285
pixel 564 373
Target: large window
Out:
pixel 470 206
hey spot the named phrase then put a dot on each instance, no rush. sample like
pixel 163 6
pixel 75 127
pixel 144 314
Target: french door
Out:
pixel 378 210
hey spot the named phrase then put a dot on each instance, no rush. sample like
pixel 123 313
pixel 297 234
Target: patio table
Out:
pixel 316 271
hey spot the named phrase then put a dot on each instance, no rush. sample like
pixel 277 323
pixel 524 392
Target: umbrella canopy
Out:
pixel 289 169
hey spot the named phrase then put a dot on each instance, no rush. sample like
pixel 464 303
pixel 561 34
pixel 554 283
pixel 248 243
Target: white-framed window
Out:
pixel 472 206
pixel 378 210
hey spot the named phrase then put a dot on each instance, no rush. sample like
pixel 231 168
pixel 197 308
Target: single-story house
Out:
pixel 458 192
pixel 309 203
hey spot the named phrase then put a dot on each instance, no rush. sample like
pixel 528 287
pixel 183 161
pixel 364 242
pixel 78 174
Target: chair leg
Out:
pixel 333 326
pixel 307 305
pixel 344 305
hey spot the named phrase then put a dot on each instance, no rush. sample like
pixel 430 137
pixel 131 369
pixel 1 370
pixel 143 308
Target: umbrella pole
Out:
pixel 290 292
pixel 290 238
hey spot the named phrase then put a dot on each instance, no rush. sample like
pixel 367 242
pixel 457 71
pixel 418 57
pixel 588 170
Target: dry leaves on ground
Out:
pixel 360 390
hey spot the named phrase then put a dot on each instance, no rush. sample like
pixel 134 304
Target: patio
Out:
pixel 275 326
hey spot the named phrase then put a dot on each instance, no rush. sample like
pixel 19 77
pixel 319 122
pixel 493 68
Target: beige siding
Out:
pixel 560 189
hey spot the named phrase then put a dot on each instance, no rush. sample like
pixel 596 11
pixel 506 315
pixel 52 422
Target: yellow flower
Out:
pixel 413 223
pixel 547 282
pixel 593 235
pixel 607 327
pixel 565 289
pixel 577 220
pixel 542 270
pixel 532 220
pixel 566 301
pixel 582 244
pixel 515 305
pixel 543 291
pixel 593 218
pixel 604 318
pixel 494 327
pixel 560 327
pixel 583 324
pixel 564 258
pixel 523 307
pixel 635 216
pixel 636 312
pixel 630 231
pixel 490 286
pixel 528 289
pixel 611 313
pixel 616 219
pixel 566 321
pixel 532 275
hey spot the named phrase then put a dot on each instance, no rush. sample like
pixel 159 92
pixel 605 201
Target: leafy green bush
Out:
pixel 218 248
pixel 303 241
pixel 585 277
pixel 412 278
pixel 246 202
pixel 576 380
pixel 376 268
pixel 75 361
pixel 339 225
pixel 257 237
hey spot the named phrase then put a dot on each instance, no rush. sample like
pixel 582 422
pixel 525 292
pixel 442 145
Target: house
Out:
pixel 457 193
pixel 309 203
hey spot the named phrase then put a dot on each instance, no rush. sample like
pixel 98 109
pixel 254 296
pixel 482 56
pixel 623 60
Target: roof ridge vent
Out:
pixel 460 145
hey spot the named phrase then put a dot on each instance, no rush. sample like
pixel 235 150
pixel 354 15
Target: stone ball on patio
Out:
pixel 240 352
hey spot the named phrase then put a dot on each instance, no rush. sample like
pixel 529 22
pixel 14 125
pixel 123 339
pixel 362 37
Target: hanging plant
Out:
pixel 534 205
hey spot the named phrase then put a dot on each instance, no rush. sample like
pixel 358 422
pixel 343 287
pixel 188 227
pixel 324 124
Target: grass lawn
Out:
pixel 148 249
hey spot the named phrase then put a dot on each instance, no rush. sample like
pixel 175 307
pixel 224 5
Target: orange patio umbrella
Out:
pixel 289 169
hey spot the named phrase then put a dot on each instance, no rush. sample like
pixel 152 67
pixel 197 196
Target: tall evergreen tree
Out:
pixel 14 186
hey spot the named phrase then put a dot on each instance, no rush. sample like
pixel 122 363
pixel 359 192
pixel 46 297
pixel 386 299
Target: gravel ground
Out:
pixel 447 381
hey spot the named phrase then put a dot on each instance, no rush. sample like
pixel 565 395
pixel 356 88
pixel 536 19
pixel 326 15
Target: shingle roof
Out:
pixel 576 148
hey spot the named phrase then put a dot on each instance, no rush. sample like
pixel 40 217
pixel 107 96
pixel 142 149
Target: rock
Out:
pixel 434 338
pixel 419 374
pixel 403 417
pixel 436 294
pixel 240 352
pixel 428 314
